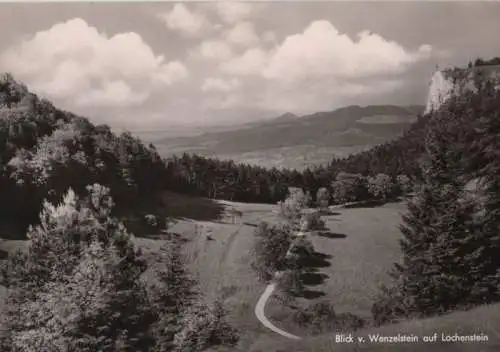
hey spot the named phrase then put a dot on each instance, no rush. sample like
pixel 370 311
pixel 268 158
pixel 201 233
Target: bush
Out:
pixel 349 188
pixel 269 250
pixel 290 283
pixel 389 306
pixel 323 198
pixel 292 207
pixel 321 317
pixel 381 186
pixel 311 222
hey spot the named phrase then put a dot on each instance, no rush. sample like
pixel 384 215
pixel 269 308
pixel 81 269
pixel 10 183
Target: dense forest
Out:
pixel 44 150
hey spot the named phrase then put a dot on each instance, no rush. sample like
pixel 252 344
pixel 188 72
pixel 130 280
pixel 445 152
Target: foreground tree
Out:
pixel 80 288
pixel 451 243
pixel 85 261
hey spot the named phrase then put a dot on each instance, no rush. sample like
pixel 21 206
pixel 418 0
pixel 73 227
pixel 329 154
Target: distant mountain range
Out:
pixel 348 128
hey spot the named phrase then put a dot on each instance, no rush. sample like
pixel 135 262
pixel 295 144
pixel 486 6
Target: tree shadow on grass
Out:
pixel 368 204
pixel 313 278
pixel 329 234
pixel 311 294
pixel 11 230
pixel 190 207
pixel 329 213
pixel 314 261
pixel 3 254
pixel 310 276
pixel 250 224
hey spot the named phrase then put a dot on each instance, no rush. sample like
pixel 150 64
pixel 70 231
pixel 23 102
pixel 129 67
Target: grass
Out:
pixel 485 320
pixel 363 244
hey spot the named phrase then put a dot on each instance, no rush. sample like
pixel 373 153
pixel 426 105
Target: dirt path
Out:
pixel 261 305
pixel 260 314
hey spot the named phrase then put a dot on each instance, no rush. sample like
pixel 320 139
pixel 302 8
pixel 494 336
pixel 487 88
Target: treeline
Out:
pixel 44 151
pixel 213 178
pixel 481 62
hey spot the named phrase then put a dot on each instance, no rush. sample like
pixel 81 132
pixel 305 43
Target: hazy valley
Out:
pixel 292 141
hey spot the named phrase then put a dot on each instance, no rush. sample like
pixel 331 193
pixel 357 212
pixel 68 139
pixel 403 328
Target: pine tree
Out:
pixel 436 228
pixel 487 158
pixel 78 287
pixel 172 293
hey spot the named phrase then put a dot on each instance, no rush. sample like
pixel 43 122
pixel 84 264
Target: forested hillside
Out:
pixel 72 190
pixel 44 150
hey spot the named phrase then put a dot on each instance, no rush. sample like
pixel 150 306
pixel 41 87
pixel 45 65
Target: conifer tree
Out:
pixel 78 287
pixel 439 235
pixel 486 150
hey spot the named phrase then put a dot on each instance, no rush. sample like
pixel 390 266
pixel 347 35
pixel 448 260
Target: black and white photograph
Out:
pixel 250 176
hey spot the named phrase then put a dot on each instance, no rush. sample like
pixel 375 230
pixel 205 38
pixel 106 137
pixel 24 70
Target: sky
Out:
pixel 147 66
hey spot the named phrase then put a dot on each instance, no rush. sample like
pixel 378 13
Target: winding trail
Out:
pixel 259 312
pixel 261 304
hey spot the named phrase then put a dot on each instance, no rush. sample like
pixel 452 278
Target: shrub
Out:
pixel 292 207
pixel 321 317
pixel 311 222
pixel 323 198
pixel 269 250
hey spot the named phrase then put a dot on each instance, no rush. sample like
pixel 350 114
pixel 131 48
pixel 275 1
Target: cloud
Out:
pixel 233 12
pixel 182 20
pixel 242 34
pixel 269 37
pixel 322 69
pixel 75 63
pixel 252 62
pixel 215 49
pixel 322 95
pixel 322 50
pixel 220 85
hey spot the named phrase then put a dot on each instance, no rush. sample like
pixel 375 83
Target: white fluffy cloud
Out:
pixel 322 50
pixel 252 62
pixel 233 11
pixel 242 34
pixel 212 84
pixel 181 19
pixel 216 49
pixel 72 61
pixel 320 68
